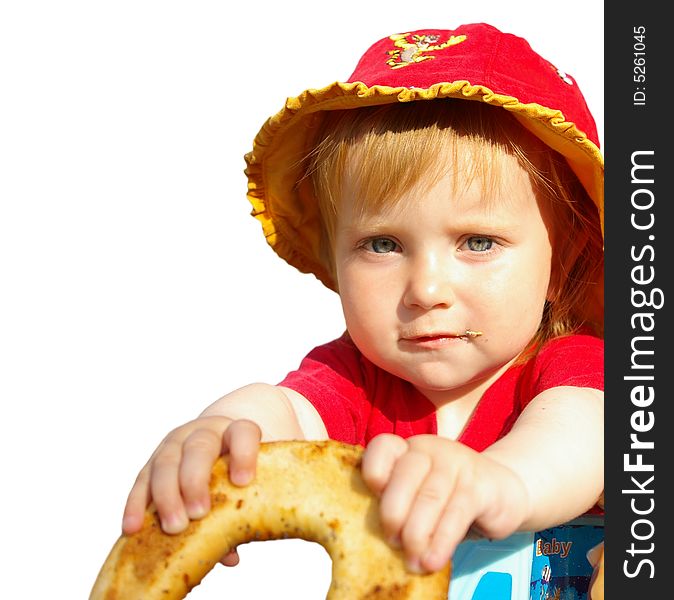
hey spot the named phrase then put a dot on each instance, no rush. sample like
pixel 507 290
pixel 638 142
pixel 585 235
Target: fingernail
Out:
pixel 128 523
pixel 197 510
pixel 240 477
pixel 433 561
pixel 173 523
pixel 394 541
pixel 413 565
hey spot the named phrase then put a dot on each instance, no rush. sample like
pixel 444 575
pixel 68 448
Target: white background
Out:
pixel 134 286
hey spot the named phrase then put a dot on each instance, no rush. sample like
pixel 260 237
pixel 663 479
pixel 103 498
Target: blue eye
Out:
pixel 479 244
pixel 382 245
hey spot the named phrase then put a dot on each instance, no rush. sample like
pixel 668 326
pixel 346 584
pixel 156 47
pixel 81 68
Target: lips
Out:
pixel 413 336
pixel 430 337
pixel 431 340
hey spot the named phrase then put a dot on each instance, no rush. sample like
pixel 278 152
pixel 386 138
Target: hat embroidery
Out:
pixel 412 51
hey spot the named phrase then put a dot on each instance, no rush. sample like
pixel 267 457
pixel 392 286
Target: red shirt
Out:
pixel 357 400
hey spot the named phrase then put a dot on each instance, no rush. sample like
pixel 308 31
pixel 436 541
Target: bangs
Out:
pixel 384 152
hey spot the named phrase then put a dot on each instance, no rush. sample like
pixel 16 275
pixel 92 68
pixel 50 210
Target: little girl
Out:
pixel 451 192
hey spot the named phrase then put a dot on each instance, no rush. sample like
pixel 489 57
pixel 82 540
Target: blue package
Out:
pixel 560 569
pixel 546 565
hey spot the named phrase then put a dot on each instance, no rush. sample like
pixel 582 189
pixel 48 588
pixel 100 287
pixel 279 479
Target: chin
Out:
pixel 438 382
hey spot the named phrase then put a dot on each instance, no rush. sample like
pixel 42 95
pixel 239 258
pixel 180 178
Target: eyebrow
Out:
pixel 491 227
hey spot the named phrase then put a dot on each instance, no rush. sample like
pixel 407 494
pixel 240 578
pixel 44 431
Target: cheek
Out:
pixel 354 296
pixel 518 295
pixel 367 302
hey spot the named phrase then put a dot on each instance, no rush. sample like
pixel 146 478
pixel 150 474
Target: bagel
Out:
pixel 308 490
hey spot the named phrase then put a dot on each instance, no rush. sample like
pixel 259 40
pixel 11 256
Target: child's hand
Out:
pixel 433 490
pixel 177 475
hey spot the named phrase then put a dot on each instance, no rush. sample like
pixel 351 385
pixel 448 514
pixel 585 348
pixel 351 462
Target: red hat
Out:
pixel 474 62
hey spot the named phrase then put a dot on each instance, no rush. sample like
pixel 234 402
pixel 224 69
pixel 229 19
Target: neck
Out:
pixel 455 407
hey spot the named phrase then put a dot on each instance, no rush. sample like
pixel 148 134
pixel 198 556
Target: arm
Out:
pixel 281 413
pixel 176 476
pixel 556 448
pixel 546 470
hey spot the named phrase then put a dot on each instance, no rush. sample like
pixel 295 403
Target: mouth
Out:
pixel 439 339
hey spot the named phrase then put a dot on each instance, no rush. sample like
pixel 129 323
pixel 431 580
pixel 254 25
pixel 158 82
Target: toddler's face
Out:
pixel 443 260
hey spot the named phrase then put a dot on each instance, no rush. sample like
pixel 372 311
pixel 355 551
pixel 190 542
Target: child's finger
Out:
pixel 136 503
pixel 450 530
pixel 408 474
pixel 200 450
pixel 242 440
pixel 231 559
pixel 164 487
pixel 426 511
pixel 379 458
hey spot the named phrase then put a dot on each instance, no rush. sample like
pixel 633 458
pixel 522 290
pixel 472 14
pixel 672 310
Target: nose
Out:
pixel 429 283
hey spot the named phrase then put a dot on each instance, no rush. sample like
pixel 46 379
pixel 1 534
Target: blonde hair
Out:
pixel 388 149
